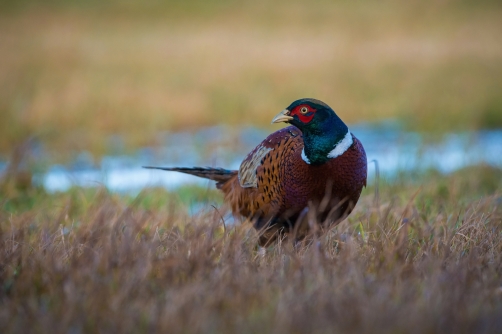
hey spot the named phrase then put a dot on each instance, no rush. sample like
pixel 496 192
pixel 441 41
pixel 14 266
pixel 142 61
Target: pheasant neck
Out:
pixel 324 143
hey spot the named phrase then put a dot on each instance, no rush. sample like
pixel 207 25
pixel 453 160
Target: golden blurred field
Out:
pixel 421 253
pixel 73 73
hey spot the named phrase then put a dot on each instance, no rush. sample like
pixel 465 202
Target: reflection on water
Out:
pixel 396 151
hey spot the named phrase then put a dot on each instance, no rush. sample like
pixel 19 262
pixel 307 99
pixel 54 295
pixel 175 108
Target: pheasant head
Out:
pixel 325 135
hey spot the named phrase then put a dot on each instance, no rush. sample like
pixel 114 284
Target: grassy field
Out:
pixel 425 257
pixel 72 73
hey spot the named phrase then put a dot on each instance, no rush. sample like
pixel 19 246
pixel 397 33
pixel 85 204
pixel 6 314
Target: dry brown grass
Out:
pixel 76 74
pixel 426 260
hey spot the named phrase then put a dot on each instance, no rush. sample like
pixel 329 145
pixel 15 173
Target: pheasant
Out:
pixel 316 164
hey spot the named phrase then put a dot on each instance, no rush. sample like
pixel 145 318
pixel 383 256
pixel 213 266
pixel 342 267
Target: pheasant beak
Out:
pixel 283 116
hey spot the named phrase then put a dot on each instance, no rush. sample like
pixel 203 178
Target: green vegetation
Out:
pixel 425 257
pixel 74 72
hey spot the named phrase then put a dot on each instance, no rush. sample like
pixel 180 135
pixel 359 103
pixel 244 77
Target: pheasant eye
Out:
pixel 304 110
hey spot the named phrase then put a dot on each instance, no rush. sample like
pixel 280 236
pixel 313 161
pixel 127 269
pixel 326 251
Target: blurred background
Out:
pixel 188 82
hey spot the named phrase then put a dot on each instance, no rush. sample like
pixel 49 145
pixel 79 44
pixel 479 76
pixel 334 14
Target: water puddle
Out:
pixel 396 151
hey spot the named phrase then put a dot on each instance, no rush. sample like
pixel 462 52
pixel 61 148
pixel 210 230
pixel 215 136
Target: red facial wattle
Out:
pixel 305 117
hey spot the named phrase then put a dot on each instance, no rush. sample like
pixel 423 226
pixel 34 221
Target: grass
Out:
pixel 425 258
pixel 74 73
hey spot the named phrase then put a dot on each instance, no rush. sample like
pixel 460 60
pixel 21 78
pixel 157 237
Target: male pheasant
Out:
pixel 315 164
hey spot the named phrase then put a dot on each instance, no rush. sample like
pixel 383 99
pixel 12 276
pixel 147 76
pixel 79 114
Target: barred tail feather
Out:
pixel 219 175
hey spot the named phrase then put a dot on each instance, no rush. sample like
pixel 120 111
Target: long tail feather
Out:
pixel 219 175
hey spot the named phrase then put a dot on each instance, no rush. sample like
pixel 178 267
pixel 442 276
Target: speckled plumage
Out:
pixel 275 186
pixel 286 184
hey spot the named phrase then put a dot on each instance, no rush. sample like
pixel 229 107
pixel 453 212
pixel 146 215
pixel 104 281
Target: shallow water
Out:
pixel 396 151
